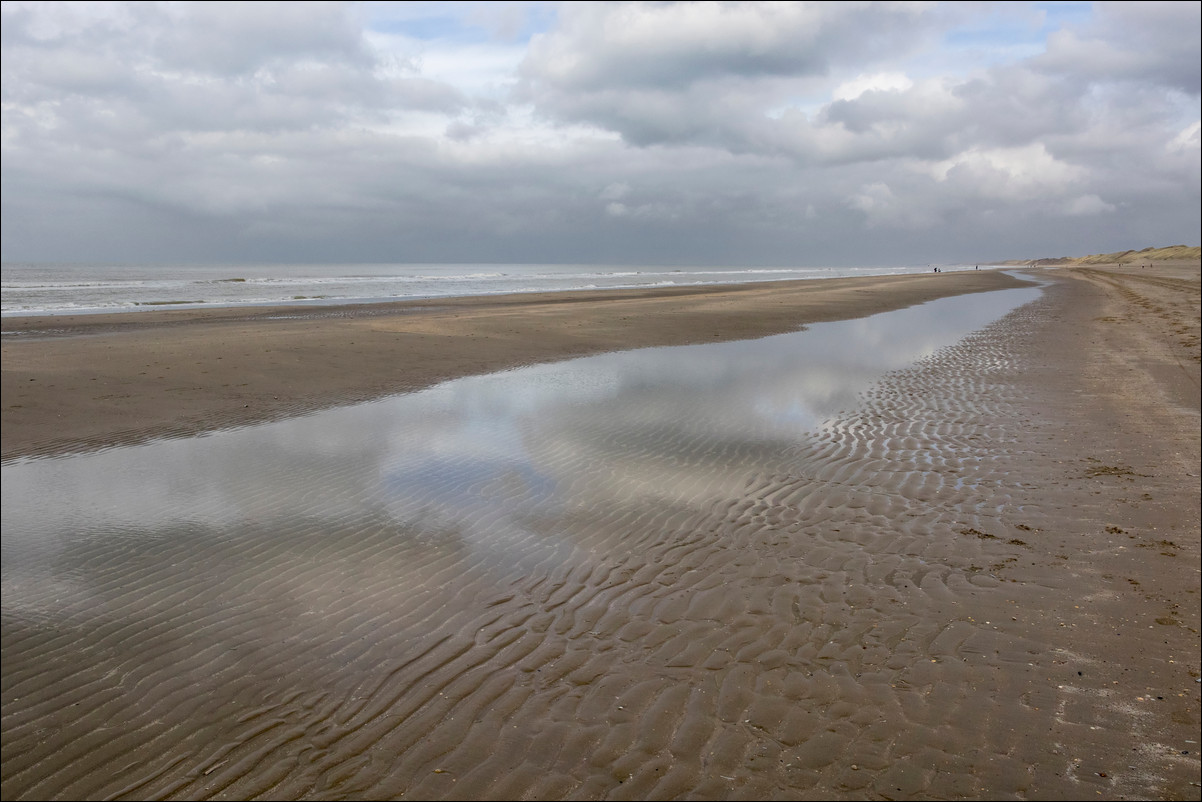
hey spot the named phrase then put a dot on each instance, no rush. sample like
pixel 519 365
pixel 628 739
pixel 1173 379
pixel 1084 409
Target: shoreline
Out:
pixel 81 382
pixel 79 289
pixel 981 583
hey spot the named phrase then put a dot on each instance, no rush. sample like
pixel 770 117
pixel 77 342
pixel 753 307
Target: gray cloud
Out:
pixel 1151 43
pixel 705 72
pixel 245 37
pixel 773 133
pixel 667 47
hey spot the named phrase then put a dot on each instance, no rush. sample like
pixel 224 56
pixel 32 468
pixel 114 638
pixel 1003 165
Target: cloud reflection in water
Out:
pixel 485 462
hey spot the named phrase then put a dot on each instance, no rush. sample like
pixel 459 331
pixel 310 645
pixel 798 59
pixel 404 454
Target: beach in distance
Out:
pixel 912 536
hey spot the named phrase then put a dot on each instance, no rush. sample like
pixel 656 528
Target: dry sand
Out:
pixel 982 584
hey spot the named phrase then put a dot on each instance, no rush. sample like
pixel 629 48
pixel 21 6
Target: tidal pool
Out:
pixel 368 574
pixel 474 456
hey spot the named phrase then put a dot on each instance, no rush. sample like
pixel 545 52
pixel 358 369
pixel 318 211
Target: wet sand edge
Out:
pixel 80 382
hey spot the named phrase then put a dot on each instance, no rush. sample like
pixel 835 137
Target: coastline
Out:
pixel 81 382
pixel 982 583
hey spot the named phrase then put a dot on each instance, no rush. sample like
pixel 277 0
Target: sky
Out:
pixel 756 134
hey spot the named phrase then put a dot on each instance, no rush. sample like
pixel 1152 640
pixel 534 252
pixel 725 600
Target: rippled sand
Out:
pixel 980 582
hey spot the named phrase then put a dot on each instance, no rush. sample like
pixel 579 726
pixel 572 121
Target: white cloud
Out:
pixel 759 132
pixel 1012 173
pixel 876 82
pixel 1188 139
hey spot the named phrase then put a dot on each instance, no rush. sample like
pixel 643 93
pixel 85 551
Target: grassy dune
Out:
pixel 1173 253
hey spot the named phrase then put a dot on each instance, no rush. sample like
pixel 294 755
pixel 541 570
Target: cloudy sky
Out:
pixel 610 133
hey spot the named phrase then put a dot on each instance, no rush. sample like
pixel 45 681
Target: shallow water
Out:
pixel 488 578
pixel 445 456
pixel 31 289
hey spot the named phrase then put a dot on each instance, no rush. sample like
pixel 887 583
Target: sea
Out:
pixel 50 289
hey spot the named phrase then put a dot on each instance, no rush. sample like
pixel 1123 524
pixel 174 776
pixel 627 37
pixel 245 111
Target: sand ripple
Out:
pixel 685 617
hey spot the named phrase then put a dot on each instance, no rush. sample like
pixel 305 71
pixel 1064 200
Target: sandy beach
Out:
pixel 983 583
pixel 87 381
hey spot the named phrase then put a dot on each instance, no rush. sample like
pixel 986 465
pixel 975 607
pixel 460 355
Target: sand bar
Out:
pixel 84 381
pixel 982 583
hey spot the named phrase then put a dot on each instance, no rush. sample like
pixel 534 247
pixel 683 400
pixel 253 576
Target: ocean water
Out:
pixel 38 289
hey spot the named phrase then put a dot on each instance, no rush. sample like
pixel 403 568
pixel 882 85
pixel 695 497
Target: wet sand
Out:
pixel 981 583
pixel 72 383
